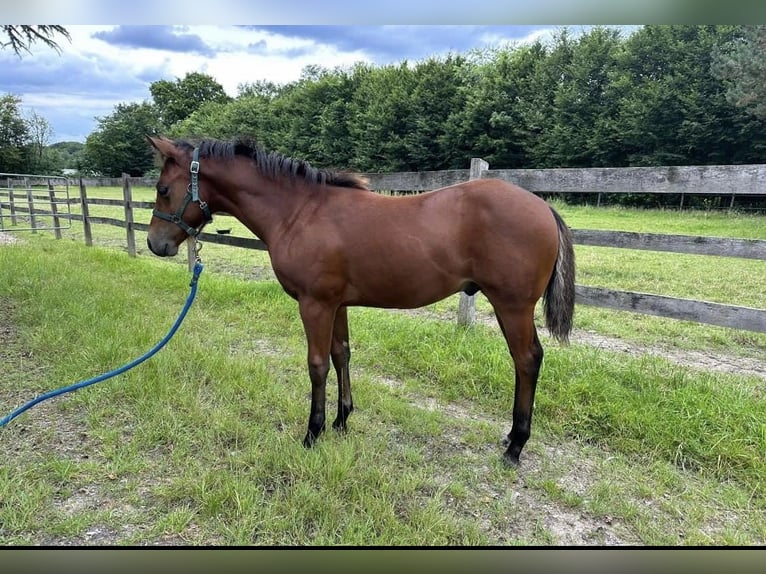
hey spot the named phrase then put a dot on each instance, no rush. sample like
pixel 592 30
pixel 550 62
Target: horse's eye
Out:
pixel 163 190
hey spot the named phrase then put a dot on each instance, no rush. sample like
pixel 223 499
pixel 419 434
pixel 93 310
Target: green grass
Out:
pixel 669 221
pixel 201 444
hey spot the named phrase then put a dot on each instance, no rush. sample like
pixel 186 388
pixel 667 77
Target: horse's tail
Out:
pixel 559 296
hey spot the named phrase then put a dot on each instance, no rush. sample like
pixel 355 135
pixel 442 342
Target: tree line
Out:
pixel 663 95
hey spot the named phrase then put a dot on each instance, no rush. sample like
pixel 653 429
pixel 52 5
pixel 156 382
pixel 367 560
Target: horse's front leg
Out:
pixel 317 320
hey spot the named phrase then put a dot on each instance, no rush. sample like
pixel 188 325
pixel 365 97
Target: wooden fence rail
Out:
pixel 19 193
pixel 702 180
pixel 740 180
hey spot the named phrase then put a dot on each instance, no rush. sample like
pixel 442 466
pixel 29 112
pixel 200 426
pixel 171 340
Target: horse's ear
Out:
pixel 162 145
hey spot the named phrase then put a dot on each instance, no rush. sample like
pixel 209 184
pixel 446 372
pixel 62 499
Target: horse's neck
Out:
pixel 262 205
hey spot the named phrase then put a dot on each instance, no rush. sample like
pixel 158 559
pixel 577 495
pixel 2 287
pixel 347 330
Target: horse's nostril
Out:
pixel 154 249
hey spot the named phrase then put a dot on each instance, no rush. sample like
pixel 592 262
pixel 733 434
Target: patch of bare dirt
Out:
pixel 688 358
pixel 7 326
pixel 7 238
pixel 133 519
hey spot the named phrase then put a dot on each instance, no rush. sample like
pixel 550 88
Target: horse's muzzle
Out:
pixel 164 249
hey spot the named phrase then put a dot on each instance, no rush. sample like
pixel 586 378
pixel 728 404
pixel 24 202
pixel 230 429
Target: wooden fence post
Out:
pixel 85 215
pixel 10 201
pixel 54 211
pixel 129 227
pixel 466 312
pixel 191 254
pixel 31 203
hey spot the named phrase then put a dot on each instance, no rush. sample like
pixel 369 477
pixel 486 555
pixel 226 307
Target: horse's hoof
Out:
pixel 510 460
pixel 340 428
pixel 339 424
pixel 309 441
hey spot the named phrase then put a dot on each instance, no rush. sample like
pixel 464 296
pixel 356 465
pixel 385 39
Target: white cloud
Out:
pixel 234 62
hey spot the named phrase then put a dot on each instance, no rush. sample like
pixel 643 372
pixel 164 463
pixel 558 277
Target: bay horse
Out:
pixel 334 243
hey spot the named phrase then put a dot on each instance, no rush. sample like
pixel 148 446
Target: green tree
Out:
pixel 178 99
pixel 14 136
pixel 69 154
pixel 310 117
pixel 592 100
pixel 436 95
pixel 673 110
pixel 741 65
pixel 580 115
pixel 24 140
pixel 261 88
pixel 21 38
pixel 381 116
pixel 496 115
pixel 540 117
pixel 40 133
pixel 248 115
pixel 118 145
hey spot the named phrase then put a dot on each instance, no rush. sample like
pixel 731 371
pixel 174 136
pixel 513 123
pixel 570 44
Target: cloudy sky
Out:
pixel 106 65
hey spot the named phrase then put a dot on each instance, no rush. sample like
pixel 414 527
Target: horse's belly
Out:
pixel 408 291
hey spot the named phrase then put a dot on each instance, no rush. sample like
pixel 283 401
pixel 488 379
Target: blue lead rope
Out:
pixel 197 270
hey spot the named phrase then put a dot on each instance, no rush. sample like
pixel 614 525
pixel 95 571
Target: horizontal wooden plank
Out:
pixel 415 181
pixel 142 204
pixel 120 203
pixel 115 181
pixel 697 245
pixel 703 180
pixel 231 240
pixel 105 221
pixel 41 195
pixel 21 209
pixel 749 179
pixel 698 311
pixel 102 201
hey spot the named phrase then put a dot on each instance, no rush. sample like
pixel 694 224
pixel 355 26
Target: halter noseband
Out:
pixel 192 195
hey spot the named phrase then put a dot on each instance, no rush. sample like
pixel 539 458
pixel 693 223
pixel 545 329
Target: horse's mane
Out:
pixel 273 164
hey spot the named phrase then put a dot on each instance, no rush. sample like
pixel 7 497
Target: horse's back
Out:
pixel 494 211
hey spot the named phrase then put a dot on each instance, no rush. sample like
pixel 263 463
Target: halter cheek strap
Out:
pixel 192 195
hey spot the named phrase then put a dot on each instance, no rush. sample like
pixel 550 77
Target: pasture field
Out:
pixel 201 444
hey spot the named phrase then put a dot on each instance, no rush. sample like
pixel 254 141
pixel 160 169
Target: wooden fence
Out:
pixel 20 193
pixel 713 180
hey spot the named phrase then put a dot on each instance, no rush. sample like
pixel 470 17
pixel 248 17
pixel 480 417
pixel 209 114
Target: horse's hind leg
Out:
pixel 520 333
pixel 341 356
